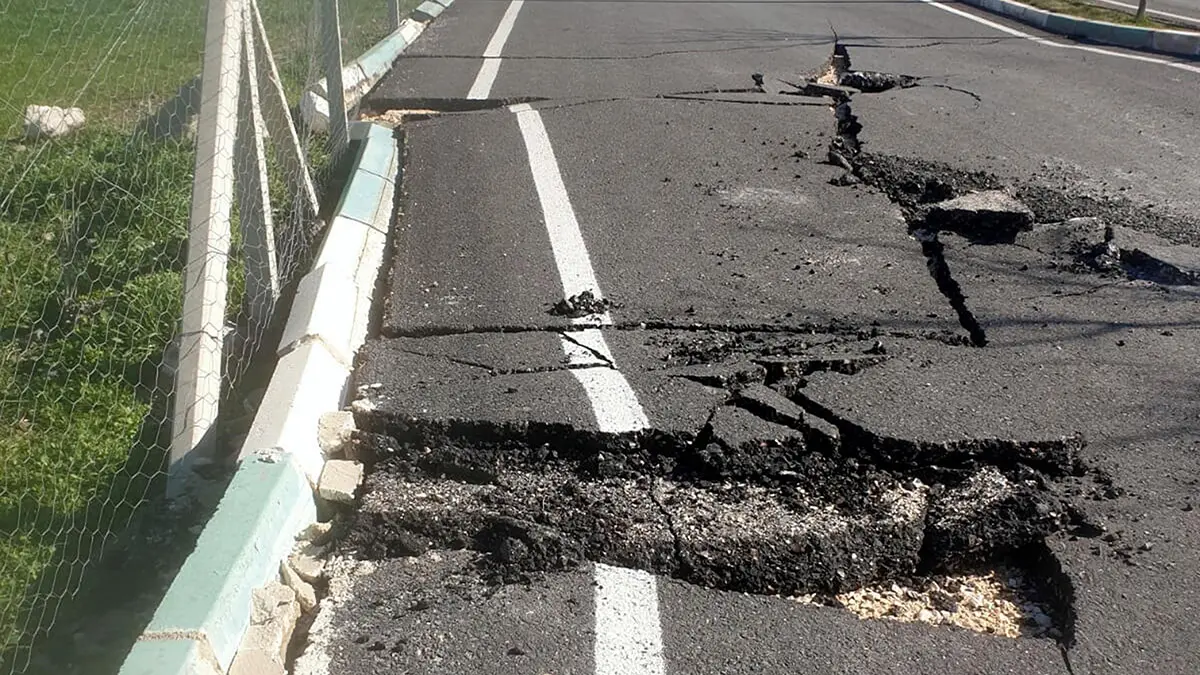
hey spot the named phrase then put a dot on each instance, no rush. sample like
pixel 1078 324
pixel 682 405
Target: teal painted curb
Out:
pixel 1174 42
pixel 200 622
pixel 362 74
pixel 429 9
pixel 179 656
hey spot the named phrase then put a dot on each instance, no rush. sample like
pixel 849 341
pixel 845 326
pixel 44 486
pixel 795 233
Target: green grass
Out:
pixel 1088 11
pixel 92 242
pixel 93 236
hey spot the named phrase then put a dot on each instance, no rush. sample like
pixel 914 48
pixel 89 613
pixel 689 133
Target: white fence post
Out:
pixel 198 380
pixel 280 127
pixel 335 94
pixel 393 13
pixel 254 199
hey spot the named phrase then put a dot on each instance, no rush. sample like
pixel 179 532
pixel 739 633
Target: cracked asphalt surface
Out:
pixel 878 333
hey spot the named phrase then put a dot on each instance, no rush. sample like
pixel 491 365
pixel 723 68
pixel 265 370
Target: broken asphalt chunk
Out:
pixel 985 216
pixel 873 83
pixel 1152 258
pixel 582 304
pixel 819 434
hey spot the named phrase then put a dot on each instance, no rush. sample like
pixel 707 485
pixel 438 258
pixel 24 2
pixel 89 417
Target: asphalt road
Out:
pixel 778 395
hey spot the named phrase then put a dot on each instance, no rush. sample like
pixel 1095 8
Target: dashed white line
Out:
pixel 628 629
pixel 570 253
pixel 482 86
pixel 613 400
pixel 1051 43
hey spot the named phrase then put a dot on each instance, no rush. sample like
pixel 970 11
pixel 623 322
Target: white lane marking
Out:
pixel 1125 5
pixel 482 86
pixel 628 629
pixel 570 253
pixel 1050 43
pixel 614 402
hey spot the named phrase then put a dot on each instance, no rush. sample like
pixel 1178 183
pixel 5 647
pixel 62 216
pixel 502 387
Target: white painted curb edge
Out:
pixel 1175 42
pixel 201 620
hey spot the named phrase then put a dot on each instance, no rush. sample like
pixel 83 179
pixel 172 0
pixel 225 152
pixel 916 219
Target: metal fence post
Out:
pixel 393 13
pixel 198 379
pixel 335 93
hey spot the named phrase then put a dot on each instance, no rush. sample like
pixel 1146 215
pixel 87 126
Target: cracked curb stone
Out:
pixel 339 480
pixel 305 593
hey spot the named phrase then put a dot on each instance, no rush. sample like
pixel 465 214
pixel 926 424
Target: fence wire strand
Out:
pixel 94 226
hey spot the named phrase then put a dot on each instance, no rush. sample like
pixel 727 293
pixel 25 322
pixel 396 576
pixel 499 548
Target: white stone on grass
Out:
pixel 51 121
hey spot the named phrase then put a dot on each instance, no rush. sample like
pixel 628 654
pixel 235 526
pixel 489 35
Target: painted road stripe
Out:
pixel 628 630
pixel 614 403
pixel 570 253
pixel 613 400
pixel 482 86
pixel 1050 43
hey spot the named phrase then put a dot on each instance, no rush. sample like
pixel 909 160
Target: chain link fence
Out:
pixel 99 103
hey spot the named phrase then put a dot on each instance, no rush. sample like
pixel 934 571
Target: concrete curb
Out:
pixel 362 74
pixel 200 622
pixel 1175 42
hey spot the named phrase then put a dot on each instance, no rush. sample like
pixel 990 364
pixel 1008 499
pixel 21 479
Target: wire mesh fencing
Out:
pixel 101 211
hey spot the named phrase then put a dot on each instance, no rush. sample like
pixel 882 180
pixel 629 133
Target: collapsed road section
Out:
pixel 764 492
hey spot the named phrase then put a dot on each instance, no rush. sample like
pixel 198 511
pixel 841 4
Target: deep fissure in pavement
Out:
pixel 935 198
pixel 768 493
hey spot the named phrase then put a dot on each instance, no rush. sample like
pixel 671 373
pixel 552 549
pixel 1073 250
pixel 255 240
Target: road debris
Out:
pixel 584 303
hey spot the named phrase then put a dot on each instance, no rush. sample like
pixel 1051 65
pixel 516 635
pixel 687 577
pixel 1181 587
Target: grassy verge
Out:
pixel 92 241
pixel 1085 10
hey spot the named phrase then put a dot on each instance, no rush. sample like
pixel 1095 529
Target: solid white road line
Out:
pixel 1156 12
pixel 482 86
pixel 1050 43
pixel 570 253
pixel 628 630
pixel 613 400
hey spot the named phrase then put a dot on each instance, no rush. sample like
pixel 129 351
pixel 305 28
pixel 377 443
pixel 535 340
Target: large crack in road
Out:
pixel 768 491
